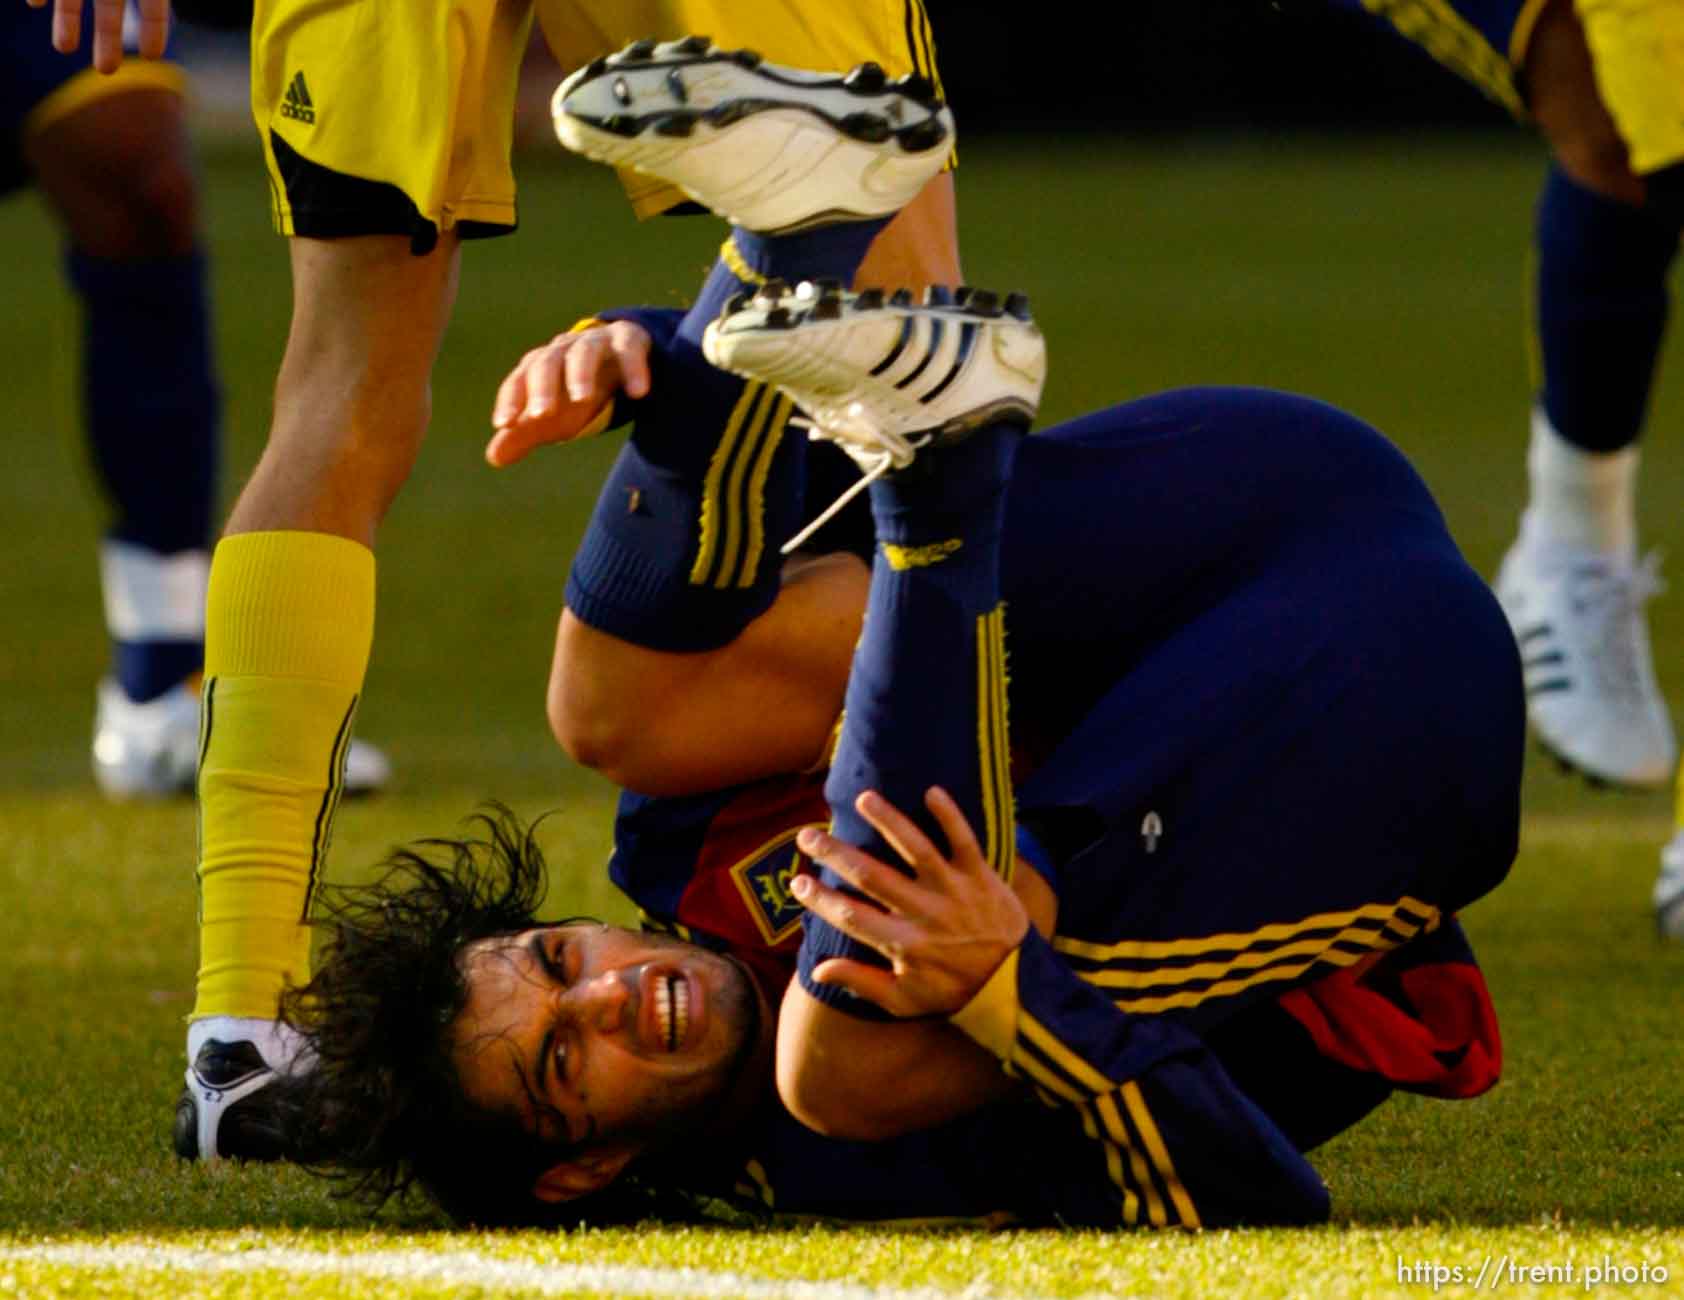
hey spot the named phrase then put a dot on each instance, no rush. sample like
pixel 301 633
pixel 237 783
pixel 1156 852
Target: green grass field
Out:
pixel 1385 274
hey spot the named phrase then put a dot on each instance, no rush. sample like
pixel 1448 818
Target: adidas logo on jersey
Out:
pixel 296 103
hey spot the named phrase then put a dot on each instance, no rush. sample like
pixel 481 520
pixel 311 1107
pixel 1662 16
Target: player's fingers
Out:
pixel 964 852
pixel 154 31
pixel 590 369
pixel 67 25
pixel 631 350
pixel 872 983
pixel 511 395
pixel 910 843
pixel 857 918
pixel 879 881
pixel 108 34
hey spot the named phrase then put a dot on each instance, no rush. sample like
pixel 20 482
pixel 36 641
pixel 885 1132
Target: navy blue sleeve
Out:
pixel 1177 1143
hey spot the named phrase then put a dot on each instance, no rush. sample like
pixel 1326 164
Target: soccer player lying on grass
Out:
pixel 1257 782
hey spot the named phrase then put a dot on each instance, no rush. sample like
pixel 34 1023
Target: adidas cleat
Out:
pixel 769 148
pixel 223 1112
pixel 1591 693
pixel 884 377
pixel 151 750
pixel 1668 895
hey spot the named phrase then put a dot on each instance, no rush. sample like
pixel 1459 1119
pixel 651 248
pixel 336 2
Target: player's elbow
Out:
pixel 815 1094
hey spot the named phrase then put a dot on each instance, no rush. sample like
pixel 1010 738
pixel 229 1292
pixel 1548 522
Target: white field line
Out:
pixel 471 1268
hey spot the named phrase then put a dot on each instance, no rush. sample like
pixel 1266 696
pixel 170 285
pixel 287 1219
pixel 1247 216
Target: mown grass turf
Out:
pixel 1385 274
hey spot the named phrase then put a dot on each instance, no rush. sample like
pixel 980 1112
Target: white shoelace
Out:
pixel 876 451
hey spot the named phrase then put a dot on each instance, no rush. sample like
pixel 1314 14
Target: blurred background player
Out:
pixel 110 158
pixel 1603 81
pixel 378 186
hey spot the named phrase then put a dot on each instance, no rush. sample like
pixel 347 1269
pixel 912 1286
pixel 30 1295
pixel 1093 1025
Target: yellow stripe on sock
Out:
pixel 735 264
pixel 993 744
pixel 719 523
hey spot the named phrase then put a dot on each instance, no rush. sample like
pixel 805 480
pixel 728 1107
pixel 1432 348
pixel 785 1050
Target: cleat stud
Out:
pixel 829 308
pixel 676 87
pixel 774 288
pixel 779 319
pixel 622 91
pixel 638 51
pixel 868 300
pixel 1017 305
pixel 870 128
pixel 923 136
pixel 938 295
pixel 693 45
pixel 828 286
pixel 915 86
pixel 746 59
pixel 736 302
pixel 866 79
pixel 984 302
pixel 596 67
pixel 675 125
pixel 901 298
pixel 962 295
pixel 625 124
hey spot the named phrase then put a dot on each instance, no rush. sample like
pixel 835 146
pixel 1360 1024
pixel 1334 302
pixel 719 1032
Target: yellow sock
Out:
pixel 289 621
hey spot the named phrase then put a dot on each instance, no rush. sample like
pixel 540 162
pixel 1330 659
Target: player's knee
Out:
pixel 161 209
pixel 1594 155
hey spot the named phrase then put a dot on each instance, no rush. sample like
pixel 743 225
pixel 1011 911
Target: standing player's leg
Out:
pixel 289 628
pixel 1608 226
pixel 376 189
pixel 116 172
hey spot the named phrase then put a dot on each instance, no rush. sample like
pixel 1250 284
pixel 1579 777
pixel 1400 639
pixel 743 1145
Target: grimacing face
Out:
pixel 594 1033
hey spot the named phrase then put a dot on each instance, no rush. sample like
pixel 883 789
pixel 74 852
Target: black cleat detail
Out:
pixel 868 127
pixel 1017 306
pixel 248 1128
pixel 866 79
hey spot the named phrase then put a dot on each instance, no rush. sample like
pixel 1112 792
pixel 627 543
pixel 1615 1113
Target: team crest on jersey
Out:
pixel 763 879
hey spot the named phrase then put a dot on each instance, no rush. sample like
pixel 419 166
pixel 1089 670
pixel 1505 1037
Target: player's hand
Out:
pixel 559 389
pixel 944 932
pixel 153 33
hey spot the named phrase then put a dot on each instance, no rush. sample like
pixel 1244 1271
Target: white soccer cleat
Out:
pixel 769 148
pixel 151 750
pixel 225 1110
pixel 883 377
pixel 1669 890
pixel 1577 614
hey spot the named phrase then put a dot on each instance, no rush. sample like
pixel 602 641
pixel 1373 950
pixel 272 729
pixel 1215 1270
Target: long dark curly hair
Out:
pixel 379 1107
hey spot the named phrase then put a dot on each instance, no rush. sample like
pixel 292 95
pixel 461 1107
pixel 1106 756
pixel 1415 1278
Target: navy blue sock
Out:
pixel 926 701
pixel 1601 311
pixel 152 412
pixel 748 260
pixel 682 551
